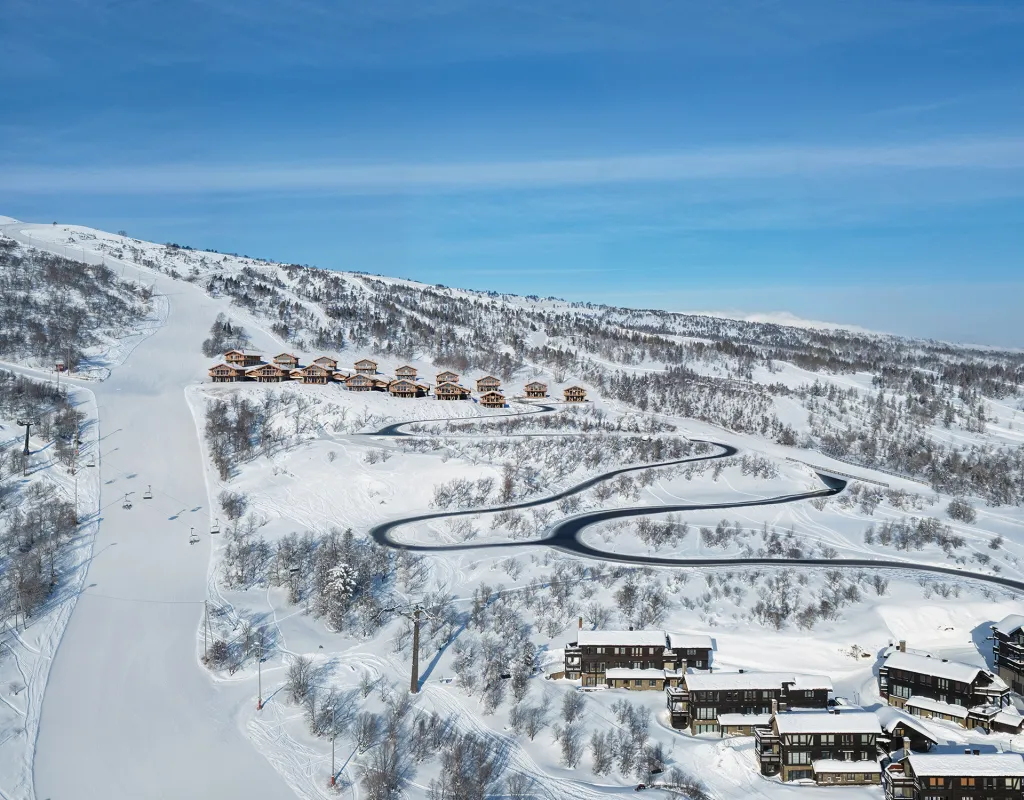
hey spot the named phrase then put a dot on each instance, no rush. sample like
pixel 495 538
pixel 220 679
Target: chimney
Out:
pixel 775 707
pixel 903 645
pixel 581 623
pixel 906 745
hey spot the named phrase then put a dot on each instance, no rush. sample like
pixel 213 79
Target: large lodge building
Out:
pixel 241 365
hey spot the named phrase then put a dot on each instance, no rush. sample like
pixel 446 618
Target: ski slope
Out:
pixel 129 712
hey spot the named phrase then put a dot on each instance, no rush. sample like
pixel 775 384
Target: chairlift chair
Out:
pixel 148 494
pixel 215 527
pixel 193 537
pixel 127 504
pixel 91 462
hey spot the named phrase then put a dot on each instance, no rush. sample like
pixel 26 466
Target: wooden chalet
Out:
pixel 403 387
pixel 536 389
pixel 365 366
pixel 340 376
pixel 971 775
pixel 365 383
pixel 408 373
pixel 269 373
pixel 575 394
pixel 314 374
pixel 226 373
pixel 447 377
pixel 1008 651
pixel 830 747
pixel 630 659
pixel 287 360
pixel 488 384
pixel 451 391
pixel 492 400
pixel 737 702
pixel 953 691
pixel 326 363
pixel 242 358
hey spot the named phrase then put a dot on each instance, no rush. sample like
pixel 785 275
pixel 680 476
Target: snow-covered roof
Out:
pixel 936 707
pixel 827 722
pixel 938 667
pixel 726 681
pixel 995 765
pixel 1010 624
pixel 827 765
pixel 621 638
pixel 685 641
pixel 744 719
pixel 1010 717
pixel 624 673
pixel 890 717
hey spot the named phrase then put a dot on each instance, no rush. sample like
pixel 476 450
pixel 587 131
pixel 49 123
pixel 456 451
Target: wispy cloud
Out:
pixel 740 163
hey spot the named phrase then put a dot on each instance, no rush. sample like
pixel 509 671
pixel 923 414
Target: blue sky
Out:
pixel 858 162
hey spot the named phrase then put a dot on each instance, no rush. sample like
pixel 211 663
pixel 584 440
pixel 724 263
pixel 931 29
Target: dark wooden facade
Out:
pixel 1008 650
pixel 451 391
pixel 938 687
pixel 575 394
pixel 704 698
pixel 596 655
pixel 492 400
pixel 536 389
pixel 955 776
pixel 830 747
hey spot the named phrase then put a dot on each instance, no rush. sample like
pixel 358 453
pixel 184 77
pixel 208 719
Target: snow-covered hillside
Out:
pixel 703 438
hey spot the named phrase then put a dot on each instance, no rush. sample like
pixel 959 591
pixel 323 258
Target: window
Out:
pixel 935 783
pixel 942 683
pixel 796 739
pixel 900 691
pixel 967 781
pixel 600 666
pixel 653 682
pixel 600 651
pixel 828 738
pixel 707 713
pixel 798 758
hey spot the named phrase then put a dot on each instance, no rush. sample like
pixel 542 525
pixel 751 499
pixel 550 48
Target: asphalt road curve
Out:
pixel 567 535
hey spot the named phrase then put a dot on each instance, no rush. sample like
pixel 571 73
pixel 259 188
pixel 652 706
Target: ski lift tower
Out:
pixel 28 422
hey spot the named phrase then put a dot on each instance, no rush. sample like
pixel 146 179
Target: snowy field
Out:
pixel 128 693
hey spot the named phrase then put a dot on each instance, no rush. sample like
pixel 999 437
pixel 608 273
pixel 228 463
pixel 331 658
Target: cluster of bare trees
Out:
pixel 37 523
pixel 582 419
pixel 53 308
pixel 224 336
pixel 914 533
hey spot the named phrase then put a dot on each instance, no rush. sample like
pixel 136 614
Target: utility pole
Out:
pixel 334 736
pixel 259 674
pixel 28 427
pixel 414 685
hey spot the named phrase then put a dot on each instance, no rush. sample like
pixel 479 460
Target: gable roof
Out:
pixel 827 722
pixel 937 667
pixel 689 640
pixel 993 765
pixel 731 681
pixel 536 383
pixel 488 378
pixel 1009 625
pixel 366 361
pixel 619 638
pixel 286 355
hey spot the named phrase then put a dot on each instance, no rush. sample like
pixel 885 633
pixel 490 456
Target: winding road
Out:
pixel 566 535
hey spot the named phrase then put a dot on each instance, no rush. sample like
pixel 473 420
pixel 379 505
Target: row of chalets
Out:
pixel 240 365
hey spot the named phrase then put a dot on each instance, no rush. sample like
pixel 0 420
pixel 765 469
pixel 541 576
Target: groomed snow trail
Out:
pixel 129 712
